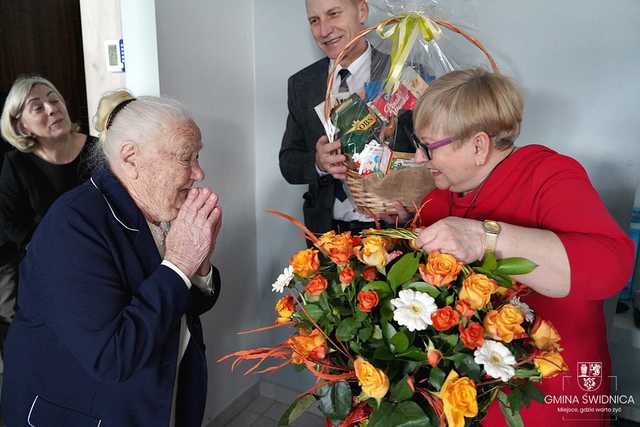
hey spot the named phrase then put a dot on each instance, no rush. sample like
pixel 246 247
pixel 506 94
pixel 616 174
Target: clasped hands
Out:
pixel 192 237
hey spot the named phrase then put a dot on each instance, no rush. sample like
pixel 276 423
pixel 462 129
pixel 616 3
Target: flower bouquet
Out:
pixel 397 337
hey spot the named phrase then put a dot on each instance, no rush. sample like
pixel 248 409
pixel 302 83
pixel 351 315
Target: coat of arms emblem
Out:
pixel 589 375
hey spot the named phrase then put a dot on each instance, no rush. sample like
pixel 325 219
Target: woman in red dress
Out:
pixel 547 211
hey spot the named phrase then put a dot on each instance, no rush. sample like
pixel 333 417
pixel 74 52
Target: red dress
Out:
pixel 537 187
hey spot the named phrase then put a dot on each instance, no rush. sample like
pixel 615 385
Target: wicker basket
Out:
pixel 375 194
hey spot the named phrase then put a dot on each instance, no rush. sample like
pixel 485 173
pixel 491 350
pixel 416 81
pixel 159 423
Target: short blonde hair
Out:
pixel 12 111
pixel 462 103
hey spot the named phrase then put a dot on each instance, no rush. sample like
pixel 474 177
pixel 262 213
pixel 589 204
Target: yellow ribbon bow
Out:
pixel 404 31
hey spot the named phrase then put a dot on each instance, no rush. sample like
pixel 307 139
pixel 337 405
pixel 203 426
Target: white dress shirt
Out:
pixel 159 234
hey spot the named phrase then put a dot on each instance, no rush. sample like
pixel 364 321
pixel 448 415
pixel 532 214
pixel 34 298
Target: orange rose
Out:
pixel 550 364
pixel 434 357
pixel 346 275
pixel 367 300
pixel 445 318
pixel 464 308
pixel 504 324
pixel 285 308
pixel 545 336
pixel 472 336
pixel 477 290
pixel 369 274
pixel 305 262
pixel 317 285
pixel 374 381
pixel 440 269
pixel 339 247
pixel 459 398
pixel 307 345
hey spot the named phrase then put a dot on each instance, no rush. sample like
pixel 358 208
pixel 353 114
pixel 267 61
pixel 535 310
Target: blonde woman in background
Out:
pixel 50 159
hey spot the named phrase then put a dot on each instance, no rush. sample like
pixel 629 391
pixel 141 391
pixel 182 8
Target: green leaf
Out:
pixel 383 353
pixel 314 311
pixel 515 266
pixel 451 339
pixel 527 373
pixel 404 269
pixel 386 311
pixel 365 333
pixel 353 345
pixel 531 392
pixel 324 302
pixel 515 400
pixel 360 316
pixel 465 365
pixel 436 378
pixel 401 391
pixel 404 414
pixel 297 408
pixel 400 342
pixel 503 281
pixel 449 300
pixel 382 288
pixel 489 261
pixel 311 298
pixel 377 333
pixel 513 419
pixel 423 287
pixel 347 329
pixel 413 354
pixel 335 400
pixel 388 331
pixel 482 271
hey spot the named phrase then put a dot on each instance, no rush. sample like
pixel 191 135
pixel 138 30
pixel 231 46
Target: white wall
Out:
pixel 100 22
pixel 283 46
pixel 140 47
pixel 205 53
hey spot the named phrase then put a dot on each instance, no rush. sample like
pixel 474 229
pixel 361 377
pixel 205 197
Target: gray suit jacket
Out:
pixel 306 89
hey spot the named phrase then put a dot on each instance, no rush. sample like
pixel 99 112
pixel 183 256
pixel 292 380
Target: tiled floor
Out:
pixel 264 412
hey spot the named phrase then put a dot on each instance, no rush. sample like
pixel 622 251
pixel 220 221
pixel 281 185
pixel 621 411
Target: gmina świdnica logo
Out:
pixel 589 375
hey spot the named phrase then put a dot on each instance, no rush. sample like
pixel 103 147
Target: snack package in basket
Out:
pixel 406 51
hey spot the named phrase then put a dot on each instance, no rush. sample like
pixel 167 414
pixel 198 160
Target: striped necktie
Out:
pixel 344 75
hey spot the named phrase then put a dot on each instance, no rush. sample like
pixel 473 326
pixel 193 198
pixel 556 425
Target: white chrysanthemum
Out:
pixel 283 280
pixel 524 308
pixel 497 360
pixel 413 309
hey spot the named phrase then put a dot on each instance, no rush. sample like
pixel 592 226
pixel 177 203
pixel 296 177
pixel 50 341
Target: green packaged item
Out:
pixel 357 124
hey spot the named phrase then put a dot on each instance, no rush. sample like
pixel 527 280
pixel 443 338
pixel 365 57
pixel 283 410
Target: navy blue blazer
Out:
pixel 95 339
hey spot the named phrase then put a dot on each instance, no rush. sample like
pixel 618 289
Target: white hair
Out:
pixel 140 121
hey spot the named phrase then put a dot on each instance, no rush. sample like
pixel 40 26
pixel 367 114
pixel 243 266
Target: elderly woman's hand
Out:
pixel 460 237
pixel 194 231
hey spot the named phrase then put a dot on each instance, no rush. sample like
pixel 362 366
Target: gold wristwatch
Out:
pixel 491 231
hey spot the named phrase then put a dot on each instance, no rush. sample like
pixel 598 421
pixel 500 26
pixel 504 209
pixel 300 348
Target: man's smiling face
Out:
pixel 334 23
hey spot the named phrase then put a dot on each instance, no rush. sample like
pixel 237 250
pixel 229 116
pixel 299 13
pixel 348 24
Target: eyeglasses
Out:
pixel 427 149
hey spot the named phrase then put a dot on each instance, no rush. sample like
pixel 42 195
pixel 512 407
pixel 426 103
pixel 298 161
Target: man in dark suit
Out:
pixel 306 156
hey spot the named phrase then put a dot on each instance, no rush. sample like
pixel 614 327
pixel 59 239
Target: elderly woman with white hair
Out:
pixel 107 330
pixel 50 159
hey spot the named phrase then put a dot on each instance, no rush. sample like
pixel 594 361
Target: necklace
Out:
pixel 478 189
